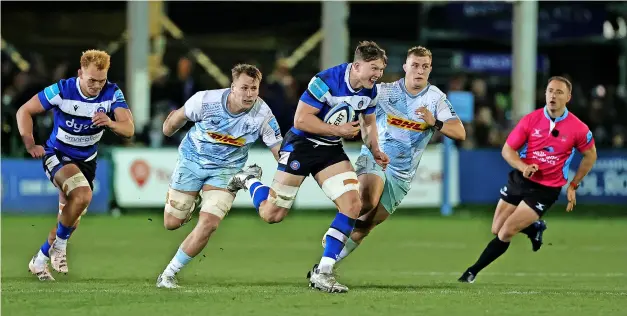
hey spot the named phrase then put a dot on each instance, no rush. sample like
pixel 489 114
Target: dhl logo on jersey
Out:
pixel 407 124
pixel 227 139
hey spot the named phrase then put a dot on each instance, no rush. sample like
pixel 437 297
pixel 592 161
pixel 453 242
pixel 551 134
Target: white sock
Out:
pixel 326 265
pixel 41 259
pixel 348 248
pixel 173 267
pixel 250 182
pixel 60 243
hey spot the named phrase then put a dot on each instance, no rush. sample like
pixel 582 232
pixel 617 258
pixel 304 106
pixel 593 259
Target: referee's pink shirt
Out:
pixel 550 144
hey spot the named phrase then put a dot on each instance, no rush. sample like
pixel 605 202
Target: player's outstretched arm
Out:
pixel 24 118
pixel 175 121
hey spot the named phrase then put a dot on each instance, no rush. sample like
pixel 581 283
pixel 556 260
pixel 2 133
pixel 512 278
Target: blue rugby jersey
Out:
pixel 73 133
pixel 330 88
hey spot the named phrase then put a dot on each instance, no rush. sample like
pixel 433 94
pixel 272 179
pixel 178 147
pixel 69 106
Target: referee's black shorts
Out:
pixel 539 197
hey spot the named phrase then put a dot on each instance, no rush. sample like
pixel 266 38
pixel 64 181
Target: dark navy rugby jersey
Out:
pixel 331 87
pixel 73 133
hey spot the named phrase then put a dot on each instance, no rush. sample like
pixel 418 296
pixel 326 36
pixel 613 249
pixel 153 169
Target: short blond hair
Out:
pixel 419 51
pixel 98 58
pixel 249 70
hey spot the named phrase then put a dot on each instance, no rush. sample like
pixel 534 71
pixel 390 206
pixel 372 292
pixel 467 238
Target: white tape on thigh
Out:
pixel 216 202
pixel 179 204
pixel 73 182
pixel 282 195
pixel 339 184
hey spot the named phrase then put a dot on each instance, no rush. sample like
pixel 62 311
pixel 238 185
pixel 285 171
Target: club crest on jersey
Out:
pixel 101 110
pixel 406 124
pixel 360 105
pixel 227 139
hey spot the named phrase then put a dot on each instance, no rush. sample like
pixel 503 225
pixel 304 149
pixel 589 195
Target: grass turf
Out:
pixel 408 266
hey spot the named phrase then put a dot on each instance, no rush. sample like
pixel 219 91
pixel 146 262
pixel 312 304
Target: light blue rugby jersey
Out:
pixel 73 133
pixel 330 88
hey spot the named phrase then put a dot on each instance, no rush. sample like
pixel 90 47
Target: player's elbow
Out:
pixel 506 152
pixel 299 121
pixel 461 135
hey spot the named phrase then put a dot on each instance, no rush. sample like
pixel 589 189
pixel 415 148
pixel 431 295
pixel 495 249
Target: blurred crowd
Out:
pixel 602 108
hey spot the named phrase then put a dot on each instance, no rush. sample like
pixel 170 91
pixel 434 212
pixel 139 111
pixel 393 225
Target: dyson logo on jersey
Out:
pixel 76 127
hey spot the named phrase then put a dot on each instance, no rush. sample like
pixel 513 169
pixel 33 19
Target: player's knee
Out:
pixel 80 197
pixel 495 229
pixel 216 202
pixel 368 202
pixel 171 223
pixel 273 215
pixel 178 207
pixel 506 233
pixel 77 188
pixel 207 224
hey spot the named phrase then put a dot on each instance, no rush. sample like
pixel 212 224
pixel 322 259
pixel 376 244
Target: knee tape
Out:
pixel 73 182
pixel 216 202
pixel 282 195
pixel 179 204
pixel 339 184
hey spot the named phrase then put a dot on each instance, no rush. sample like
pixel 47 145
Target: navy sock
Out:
pixel 64 232
pixel 45 249
pixel 259 193
pixel 336 236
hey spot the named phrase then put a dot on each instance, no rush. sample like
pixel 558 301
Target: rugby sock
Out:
pixel 63 233
pixel 338 233
pixel 348 248
pixel 495 249
pixel 531 230
pixel 43 255
pixel 177 263
pixel 258 192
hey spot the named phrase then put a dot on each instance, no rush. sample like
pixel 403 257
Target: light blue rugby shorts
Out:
pixel 189 176
pixel 394 190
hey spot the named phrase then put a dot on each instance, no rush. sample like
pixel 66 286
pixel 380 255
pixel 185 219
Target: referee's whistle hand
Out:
pixel 530 170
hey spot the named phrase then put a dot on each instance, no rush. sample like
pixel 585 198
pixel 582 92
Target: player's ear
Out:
pixel 405 67
pixel 568 98
pixel 80 72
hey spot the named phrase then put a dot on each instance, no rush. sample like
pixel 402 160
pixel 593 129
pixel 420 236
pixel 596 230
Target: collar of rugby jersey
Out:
pixel 557 119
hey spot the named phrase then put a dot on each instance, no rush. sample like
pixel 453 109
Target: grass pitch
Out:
pixel 408 266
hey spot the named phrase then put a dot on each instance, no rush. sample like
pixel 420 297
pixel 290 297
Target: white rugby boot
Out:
pixel 168 282
pixel 41 271
pixel 58 257
pixel 325 282
pixel 238 181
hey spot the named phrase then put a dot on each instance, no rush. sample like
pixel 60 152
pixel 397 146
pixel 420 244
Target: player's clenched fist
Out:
pixel 426 115
pixel 101 120
pixel 381 158
pixel 530 170
pixel 348 130
pixel 36 151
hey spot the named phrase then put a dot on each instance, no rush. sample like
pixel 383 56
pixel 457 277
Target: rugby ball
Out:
pixel 340 114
